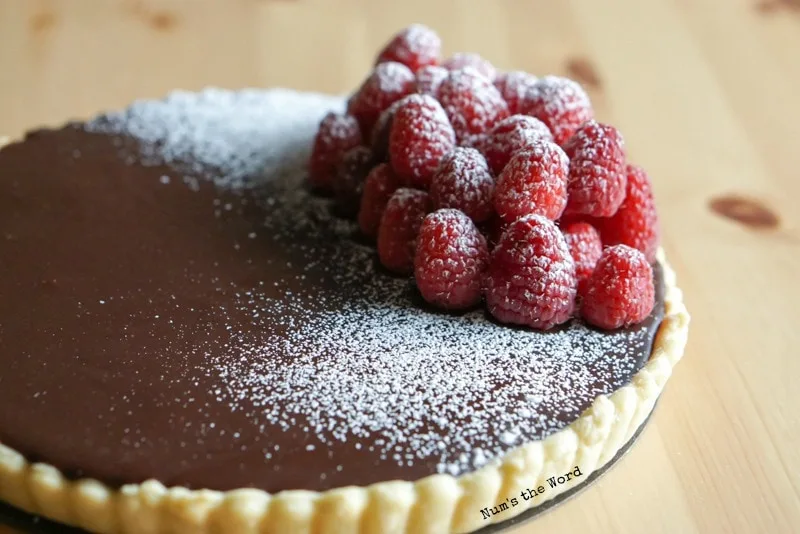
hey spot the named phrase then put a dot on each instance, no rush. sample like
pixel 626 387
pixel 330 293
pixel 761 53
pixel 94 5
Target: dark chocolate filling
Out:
pixel 119 283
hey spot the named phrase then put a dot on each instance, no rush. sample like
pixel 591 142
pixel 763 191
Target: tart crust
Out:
pixel 436 504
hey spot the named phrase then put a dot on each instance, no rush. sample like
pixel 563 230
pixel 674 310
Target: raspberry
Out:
pixel 430 78
pixel 596 170
pixel 463 182
pixel 620 291
pixel 415 47
pixel 509 136
pixel 349 181
pixel 450 260
pixel 388 83
pixel 420 136
pixel 533 182
pixel 586 248
pixel 514 87
pixel 560 103
pixel 463 60
pixel 636 222
pixel 381 132
pixel 379 186
pixel 472 104
pixel 336 135
pixel 397 234
pixel 531 275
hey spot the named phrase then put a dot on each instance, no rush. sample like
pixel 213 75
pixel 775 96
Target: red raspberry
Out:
pixel 533 182
pixel 379 186
pixel 586 248
pixel 381 132
pixel 388 83
pixel 349 181
pixel 415 47
pixel 463 182
pixel 596 170
pixel 531 276
pixel 509 136
pixel 472 104
pixel 430 78
pixel 561 104
pixel 636 222
pixel 420 136
pixel 397 234
pixel 450 260
pixel 336 135
pixel 463 60
pixel 620 291
pixel 514 87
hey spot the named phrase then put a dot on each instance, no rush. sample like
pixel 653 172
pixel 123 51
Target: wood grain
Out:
pixel 705 93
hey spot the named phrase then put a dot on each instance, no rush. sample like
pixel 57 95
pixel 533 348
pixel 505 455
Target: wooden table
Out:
pixel 705 92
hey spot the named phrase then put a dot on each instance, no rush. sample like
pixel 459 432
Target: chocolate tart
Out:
pixel 191 342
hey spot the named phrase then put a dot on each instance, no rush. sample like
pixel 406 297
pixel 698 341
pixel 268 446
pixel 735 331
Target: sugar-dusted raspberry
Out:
pixel 450 260
pixel 472 103
pixel 636 221
pixel 349 180
pixel 533 182
pixel 463 182
pixel 463 60
pixel 380 133
pixel 430 78
pixel 586 248
pixel 596 170
pixel 380 185
pixel 509 136
pixel 560 103
pixel 336 135
pixel 420 136
pixel 397 234
pixel 388 83
pixel 531 275
pixel 415 47
pixel 514 87
pixel 620 291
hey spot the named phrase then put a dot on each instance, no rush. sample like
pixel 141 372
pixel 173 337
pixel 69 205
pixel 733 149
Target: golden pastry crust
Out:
pixel 437 504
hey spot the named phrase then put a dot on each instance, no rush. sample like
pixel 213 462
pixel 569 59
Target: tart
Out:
pixel 192 340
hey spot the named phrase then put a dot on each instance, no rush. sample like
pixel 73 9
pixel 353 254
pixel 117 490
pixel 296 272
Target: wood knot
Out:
pixel 582 71
pixel 772 6
pixel 748 212
pixel 163 21
pixel 42 21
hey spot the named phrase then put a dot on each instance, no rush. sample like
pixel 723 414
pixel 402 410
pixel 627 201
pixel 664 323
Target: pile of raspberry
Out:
pixel 491 187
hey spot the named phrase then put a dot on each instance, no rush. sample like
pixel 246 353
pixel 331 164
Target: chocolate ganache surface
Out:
pixel 175 305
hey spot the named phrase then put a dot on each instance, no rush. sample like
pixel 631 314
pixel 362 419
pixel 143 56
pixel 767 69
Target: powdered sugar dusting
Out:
pixel 335 347
pixel 241 135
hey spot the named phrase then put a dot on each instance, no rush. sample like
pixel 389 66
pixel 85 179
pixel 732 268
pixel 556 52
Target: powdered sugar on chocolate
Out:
pixel 343 351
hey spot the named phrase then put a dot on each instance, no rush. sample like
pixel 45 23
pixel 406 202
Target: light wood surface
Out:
pixel 705 92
